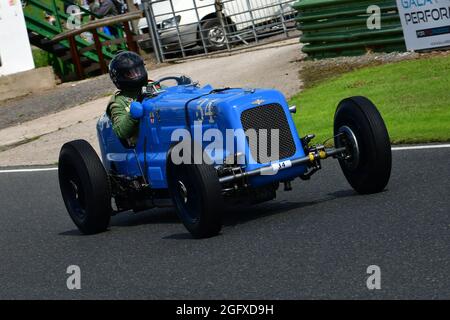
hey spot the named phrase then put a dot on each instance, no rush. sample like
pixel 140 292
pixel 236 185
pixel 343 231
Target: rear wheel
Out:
pixel 197 195
pixel 85 187
pixel 360 128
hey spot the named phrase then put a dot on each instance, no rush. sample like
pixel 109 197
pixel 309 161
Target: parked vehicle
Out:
pixel 147 175
pixel 192 25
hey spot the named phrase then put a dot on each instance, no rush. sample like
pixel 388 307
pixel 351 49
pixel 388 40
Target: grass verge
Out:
pixel 41 58
pixel 412 96
pixel 14 145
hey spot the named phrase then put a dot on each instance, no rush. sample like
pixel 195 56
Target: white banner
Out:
pixel 426 23
pixel 15 50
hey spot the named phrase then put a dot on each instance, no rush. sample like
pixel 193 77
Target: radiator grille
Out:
pixel 268 117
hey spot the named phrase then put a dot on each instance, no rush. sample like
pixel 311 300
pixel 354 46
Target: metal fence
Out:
pixel 183 28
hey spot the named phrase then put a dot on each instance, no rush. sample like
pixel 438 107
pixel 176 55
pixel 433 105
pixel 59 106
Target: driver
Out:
pixel 127 71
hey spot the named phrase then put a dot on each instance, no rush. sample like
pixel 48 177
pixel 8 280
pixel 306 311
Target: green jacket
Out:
pixel 118 111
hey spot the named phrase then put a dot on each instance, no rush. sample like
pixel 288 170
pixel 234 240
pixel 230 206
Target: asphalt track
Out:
pixel 314 242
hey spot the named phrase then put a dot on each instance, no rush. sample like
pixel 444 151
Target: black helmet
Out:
pixel 127 71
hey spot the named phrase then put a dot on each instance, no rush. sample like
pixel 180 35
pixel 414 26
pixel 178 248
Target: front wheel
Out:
pixel 85 187
pixel 197 195
pixel 359 127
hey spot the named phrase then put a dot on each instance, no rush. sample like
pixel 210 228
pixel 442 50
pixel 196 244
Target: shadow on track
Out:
pixel 237 215
pixel 244 213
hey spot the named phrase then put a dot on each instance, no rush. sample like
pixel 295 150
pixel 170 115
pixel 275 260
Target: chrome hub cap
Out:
pixel 217 36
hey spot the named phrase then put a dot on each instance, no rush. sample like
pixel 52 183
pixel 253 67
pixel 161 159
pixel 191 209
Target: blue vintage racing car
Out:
pixel 173 164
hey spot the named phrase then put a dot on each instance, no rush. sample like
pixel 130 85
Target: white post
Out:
pixel 15 49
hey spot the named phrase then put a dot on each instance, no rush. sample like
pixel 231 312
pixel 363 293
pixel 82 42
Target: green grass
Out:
pixel 412 96
pixel 41 58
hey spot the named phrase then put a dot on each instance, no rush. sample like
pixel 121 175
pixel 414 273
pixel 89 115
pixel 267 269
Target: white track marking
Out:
pixel 28 170
pixel 423 147
pixel 437 146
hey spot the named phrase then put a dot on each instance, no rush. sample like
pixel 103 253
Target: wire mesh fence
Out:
pixel 184 28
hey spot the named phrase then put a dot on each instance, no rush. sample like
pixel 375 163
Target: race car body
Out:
pixel 203 150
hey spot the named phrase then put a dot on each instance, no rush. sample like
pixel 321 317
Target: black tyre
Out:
pixel 214 34
pixel 85 187
pixel 197 195
pixel 359 126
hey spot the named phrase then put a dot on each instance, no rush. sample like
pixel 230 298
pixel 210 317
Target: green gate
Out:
pixel 47 18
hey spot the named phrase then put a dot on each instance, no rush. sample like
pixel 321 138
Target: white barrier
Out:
pixel 15 49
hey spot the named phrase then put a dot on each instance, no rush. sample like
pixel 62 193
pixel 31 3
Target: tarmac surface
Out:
pixel 314 242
